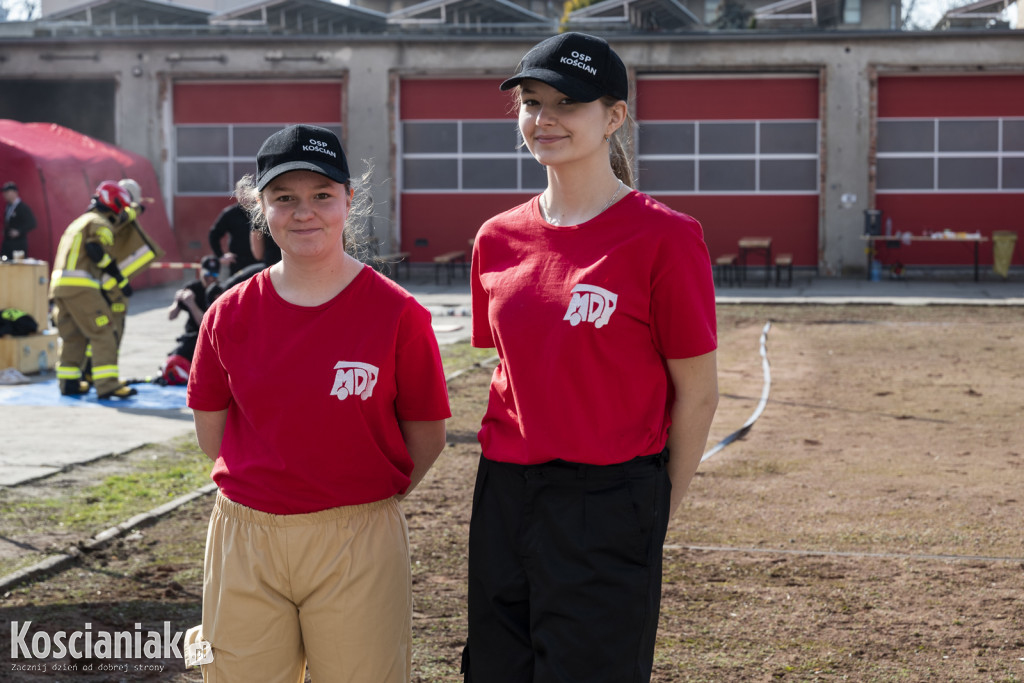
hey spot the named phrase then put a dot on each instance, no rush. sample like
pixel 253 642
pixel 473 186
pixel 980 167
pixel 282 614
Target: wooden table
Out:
pixel 761 246
pixel 908 240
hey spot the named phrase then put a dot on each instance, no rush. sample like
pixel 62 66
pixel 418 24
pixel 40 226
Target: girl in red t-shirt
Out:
pixel 318 391
pixel 600 303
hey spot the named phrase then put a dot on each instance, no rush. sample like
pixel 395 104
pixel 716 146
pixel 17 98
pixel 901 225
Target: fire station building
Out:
pixel 786 120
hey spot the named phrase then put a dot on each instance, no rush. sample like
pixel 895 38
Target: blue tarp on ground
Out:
pixel 150 397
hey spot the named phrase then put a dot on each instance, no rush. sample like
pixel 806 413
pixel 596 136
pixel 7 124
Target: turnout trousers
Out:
pixel 118 312
pixel 84 320
pixel 565 571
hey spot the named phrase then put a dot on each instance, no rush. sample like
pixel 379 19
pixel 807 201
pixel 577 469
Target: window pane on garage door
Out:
pixel 667 175
pixel 427 137
pixel 1013 173
pixel 906 136
pixel 666 138
pixel 969 136
pixel 486 174
pixel 1013 135
pixel 789 137
pixel 727 176
pixel 789 174
pixel 199 176
pixel 968 173
pixel 906 174
pixel 202 141
pixel 488 136
pixel 431 174
pixel 727 138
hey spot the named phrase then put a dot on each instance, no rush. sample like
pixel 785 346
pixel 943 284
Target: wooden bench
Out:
pixel 447 262
pixel 397 259
pixel 725 269
pixel 784 262
pixel 758 246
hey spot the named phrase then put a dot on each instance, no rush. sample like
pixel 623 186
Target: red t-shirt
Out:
pixel 583 318
pixel 314 394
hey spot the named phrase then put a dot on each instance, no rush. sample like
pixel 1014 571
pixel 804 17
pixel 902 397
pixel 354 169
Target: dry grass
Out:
pixel 866 529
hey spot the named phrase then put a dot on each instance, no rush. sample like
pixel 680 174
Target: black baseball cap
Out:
pixel 301 148
pixel 581 66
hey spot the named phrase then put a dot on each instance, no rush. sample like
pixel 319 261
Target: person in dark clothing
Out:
pixel 266 252
pixel 264 248
pixel 233 222
pixel 18 220
pixel 192 300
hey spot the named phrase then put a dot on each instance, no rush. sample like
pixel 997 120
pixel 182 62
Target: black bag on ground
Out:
pixel 17 322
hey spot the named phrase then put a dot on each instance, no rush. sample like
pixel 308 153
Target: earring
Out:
pixel 606 138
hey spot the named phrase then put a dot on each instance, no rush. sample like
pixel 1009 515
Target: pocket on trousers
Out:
pixel 619 516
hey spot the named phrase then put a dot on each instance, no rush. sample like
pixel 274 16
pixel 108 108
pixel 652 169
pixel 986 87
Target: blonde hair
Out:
pixel 355 233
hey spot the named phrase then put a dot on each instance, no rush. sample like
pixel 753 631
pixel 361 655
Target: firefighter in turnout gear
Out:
pixel 81 311
pixel 134 252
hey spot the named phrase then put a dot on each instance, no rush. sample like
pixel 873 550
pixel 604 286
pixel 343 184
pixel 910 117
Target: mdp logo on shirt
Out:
pixel 591 304
pixel 354 379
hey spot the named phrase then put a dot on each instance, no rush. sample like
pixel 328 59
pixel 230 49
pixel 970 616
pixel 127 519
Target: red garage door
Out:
pixel 458 162
pixel 950 156
pixel 740 154
pixel 219 127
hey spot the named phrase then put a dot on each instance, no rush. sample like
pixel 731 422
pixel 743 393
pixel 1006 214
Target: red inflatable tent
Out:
pixel 57 169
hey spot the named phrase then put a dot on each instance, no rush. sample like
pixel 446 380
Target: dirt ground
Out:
pixel 867 528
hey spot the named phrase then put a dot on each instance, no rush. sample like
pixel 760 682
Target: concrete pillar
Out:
pixel 846 127
pixel 368 129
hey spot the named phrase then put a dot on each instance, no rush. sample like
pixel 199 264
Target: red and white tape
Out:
pixel 178 265
pixel 175 264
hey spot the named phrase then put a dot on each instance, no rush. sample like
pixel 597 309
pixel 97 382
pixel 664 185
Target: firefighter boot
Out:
pixel 74 387
pixel 122 391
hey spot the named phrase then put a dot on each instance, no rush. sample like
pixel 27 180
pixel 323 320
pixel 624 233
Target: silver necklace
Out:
pixel 552 221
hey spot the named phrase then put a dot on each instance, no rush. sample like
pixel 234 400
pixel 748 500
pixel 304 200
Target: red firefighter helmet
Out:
pixel 175 369
pixel 112 197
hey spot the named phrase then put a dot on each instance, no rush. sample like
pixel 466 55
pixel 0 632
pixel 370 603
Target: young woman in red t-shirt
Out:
pixel 318 391
pixel 600 304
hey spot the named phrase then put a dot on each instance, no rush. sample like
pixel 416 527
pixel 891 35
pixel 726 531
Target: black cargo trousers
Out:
pixel 565 571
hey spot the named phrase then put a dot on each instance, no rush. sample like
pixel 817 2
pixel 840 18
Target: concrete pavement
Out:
pixel 43 439
pixel 916 289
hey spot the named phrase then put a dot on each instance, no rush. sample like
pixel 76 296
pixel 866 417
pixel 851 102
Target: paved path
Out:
pixel 42 439
pixel 909 292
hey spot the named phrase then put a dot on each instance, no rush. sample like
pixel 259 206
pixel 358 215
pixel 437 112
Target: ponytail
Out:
pixel 622 165
pixel 621 161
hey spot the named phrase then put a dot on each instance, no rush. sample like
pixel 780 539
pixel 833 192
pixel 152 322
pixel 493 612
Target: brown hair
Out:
pixel 618 146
